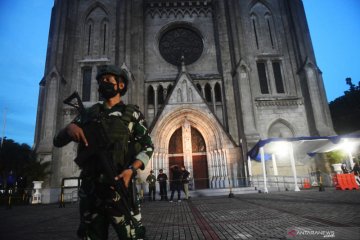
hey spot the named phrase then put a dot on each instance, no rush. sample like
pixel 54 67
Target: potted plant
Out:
pixel 335 158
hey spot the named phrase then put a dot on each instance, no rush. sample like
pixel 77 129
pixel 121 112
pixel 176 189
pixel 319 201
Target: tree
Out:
pixel 334 157
pixel 21 160
pixel 37 170
pixel 345 110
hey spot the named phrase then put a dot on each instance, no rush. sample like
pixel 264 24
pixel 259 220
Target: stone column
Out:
pixel 48 126
pixel 227 179
pixel 221 168
pixel 94 94
pixel 293 167
pixel 271 78
pixel 216 164
pixel 249 166
pixel 187 146
pixel 317 103
pixel 203 91
pixel 161 160
pixel 273 157
pixel 211 165
pixel 155 160
pixel 225 162
pixel 213 157
pixel 213 96
pixel 165 92
pixel 156 99
pixel 246 101
pixel 262 154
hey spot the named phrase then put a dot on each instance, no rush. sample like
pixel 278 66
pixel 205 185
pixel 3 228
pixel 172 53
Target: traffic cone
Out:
pixel 306 184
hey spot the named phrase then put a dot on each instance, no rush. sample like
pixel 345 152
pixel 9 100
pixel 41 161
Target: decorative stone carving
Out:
pixel 178 8
pixel 278 102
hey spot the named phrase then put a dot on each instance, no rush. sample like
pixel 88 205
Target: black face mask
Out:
pixel 107 90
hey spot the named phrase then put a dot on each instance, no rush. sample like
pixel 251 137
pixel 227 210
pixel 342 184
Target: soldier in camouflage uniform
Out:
pixel 129 147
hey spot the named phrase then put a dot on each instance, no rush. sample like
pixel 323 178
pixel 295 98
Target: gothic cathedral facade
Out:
pixel 211 76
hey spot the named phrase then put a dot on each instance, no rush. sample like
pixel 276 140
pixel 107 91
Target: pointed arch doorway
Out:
pixel 187 148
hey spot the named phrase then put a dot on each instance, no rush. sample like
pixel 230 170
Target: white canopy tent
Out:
pixel 266 149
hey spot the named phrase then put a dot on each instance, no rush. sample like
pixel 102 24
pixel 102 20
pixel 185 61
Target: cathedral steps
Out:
pixel 221 191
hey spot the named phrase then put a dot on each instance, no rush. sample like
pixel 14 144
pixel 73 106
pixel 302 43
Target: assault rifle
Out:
pixel 98 146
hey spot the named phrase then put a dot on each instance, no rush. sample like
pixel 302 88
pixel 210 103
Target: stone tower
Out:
pixel 211 76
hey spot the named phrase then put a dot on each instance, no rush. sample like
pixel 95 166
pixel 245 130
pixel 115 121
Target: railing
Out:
pixel 16 196
pixel 274 183
pixel 287 183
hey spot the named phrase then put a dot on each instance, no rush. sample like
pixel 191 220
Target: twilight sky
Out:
pixel 24 26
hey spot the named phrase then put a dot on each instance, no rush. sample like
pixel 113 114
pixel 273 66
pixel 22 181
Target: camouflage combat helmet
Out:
pixel 116 71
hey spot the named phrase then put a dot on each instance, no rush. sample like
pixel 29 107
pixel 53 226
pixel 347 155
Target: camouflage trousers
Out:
pixel 99 209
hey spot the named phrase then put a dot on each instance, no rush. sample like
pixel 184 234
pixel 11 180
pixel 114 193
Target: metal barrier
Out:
pixel 66 184
pixel 11 197
pixel 286 183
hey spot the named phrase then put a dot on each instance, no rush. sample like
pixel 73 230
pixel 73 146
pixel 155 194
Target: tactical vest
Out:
pixel 109 129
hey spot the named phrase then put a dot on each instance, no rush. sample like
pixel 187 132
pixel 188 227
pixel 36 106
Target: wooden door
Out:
pixel 200 172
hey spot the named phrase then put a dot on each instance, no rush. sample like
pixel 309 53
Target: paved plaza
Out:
pixel 246 216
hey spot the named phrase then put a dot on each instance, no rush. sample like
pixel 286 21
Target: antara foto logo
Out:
pixel 292 233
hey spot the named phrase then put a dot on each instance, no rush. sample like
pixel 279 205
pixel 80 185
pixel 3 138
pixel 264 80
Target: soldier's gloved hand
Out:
pixel 126 175
pixel 76 133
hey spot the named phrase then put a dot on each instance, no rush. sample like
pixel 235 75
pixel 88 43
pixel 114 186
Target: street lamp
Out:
pixel 348 147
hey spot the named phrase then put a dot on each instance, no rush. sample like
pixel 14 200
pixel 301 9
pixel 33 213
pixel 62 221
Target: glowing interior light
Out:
pixel 281 149
pixel 347 146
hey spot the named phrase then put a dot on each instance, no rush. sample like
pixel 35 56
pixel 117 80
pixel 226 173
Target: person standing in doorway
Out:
pixel 185 181
pixel 176 182
pixel 151 180
pixel 162 179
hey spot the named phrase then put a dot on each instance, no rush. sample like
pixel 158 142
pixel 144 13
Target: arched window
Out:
pixel 208 93
pixel 104 36
pixel 150 96
pixel 198 86
pixel 263 79
pixel 254 25
pixel 96 31
pixel 217 92
pixel 278 77
pixel 160 95
pixel 89 35
pixel 268 19
pixel 176 143
pixel 263 27
pixel 265 68
pixel 169 89
pixel 197 141
pixel 179 95
pixel 280 129
pixel 105 31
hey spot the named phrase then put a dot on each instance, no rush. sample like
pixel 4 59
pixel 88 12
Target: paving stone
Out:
pixel 246 216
